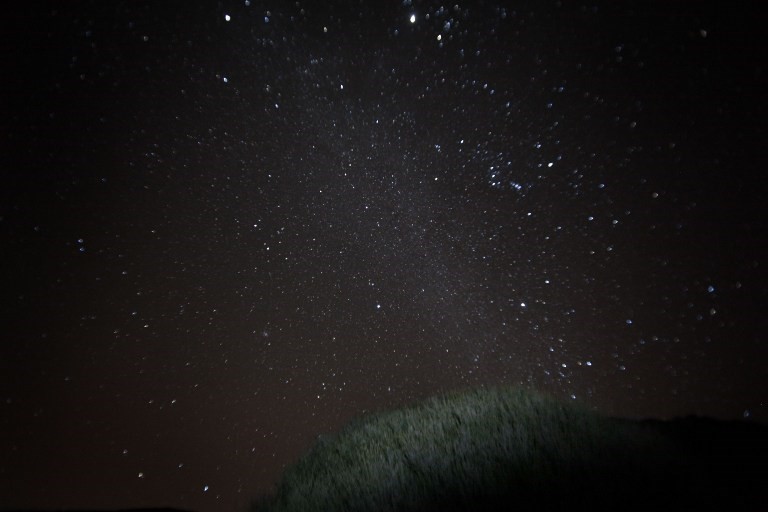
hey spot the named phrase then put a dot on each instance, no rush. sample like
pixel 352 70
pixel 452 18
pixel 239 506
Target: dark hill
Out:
pixel 507 449
pixel 512 450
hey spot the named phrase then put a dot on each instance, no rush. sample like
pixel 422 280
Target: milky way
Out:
pixel 231 227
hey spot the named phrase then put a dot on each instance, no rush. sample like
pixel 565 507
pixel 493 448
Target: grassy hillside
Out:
pixel 508 449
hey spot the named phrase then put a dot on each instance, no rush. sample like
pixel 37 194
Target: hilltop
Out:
pixel 510 449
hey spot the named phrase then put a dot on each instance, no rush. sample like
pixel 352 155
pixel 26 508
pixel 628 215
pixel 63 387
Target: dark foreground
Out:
pixel 512 450
pixel 507 449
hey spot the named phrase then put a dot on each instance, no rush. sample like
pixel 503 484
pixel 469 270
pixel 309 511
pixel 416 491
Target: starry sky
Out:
pixel 230 227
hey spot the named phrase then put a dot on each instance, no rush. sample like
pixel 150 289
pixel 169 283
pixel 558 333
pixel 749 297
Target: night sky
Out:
pixel 229 227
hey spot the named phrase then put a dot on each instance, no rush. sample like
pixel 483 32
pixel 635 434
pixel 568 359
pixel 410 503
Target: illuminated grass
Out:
pixel 491 449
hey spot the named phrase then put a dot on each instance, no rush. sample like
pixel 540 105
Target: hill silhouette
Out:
pixel 509 449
